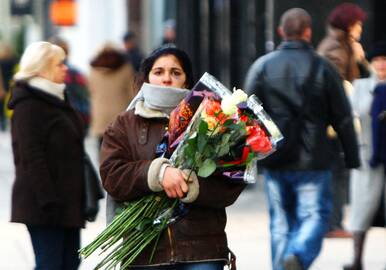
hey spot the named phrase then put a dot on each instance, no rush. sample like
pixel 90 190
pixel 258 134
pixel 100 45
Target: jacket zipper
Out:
pixel 170 237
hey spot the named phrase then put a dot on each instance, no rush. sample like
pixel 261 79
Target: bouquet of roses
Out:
pixel 211 131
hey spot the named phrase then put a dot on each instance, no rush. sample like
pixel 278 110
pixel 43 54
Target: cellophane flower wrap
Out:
pixel 212 131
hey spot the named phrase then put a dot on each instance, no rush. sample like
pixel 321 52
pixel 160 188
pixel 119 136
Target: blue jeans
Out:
pixel 186 266
pixel 55 248
pixel 299 207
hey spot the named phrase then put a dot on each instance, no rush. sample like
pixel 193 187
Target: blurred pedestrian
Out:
pixel 342 48
pixel 368 181
pixel 76 84
pixel 130 169
pixel 169 32
pixel 111 82
pixel 8 62
pixel 341 45
pixel 303 94
pixel 47 142
pixel 133 53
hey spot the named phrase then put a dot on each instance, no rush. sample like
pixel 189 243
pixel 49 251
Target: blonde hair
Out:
pixel 38 58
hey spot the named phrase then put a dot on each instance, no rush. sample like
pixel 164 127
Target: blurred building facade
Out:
pixel 226 36
pixel 222 37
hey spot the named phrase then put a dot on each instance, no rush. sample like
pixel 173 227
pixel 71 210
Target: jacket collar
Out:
pixel 294 44
pixel 47 86
pixel 23 90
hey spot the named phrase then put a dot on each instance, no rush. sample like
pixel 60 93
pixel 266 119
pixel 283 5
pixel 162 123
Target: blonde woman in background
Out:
pixel 47 143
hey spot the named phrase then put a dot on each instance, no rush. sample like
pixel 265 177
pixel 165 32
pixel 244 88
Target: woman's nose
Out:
pixel 167 78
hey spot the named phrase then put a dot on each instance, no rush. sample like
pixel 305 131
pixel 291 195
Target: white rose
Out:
pixel 239 96
pixel 228 105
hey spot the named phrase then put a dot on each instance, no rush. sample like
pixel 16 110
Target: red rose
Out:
pixel 258 140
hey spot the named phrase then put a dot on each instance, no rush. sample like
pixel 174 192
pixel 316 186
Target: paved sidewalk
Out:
pixel 247 230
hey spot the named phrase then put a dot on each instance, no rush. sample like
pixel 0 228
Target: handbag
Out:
pixel 92 190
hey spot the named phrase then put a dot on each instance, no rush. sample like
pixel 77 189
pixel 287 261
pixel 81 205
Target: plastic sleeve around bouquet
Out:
pixel 266 122
pixel 251 173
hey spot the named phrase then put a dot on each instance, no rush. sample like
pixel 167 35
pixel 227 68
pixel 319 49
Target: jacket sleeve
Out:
pixel 31 136
pixel 251 83
pixel 122 177
pixel 218 192
pixel 341 117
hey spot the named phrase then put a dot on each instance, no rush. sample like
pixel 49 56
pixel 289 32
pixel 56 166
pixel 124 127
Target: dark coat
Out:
pixel 378 124
pixel 378 131
pixel 128 148
pixel 278 80
pixel 47 143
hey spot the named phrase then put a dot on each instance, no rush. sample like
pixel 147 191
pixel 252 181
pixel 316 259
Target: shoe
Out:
pixel 292 263
pixel 339 233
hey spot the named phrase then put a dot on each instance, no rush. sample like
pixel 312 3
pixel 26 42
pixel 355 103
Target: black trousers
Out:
pixel 55 248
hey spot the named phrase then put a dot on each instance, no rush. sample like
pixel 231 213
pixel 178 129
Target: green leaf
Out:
pixel 225 138
pixel 228 122
pixel 189 151
pixel 203 127
pixel 201 142
pixel 224 149
pixel 207 168
pixel 209 151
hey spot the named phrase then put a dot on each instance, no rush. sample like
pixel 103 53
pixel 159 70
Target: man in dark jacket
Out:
pixel 303 94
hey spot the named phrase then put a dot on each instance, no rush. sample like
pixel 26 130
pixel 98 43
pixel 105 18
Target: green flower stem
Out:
pixel 110 231
pixel 163 225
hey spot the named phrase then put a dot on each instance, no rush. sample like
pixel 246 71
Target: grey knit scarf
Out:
pixel 157 99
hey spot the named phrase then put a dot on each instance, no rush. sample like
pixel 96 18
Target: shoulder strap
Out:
pixel 309 81
pixel 311 75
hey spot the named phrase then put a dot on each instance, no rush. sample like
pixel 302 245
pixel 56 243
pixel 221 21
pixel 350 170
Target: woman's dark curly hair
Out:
pixel 345 15
pixel 168 49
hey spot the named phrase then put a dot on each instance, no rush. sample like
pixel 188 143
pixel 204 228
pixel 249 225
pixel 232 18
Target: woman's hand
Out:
pixel 174 183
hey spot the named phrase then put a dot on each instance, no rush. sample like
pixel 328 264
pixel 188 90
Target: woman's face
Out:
pixel 355 31
pixel 379 65
pixel 59 70
pixel 167 71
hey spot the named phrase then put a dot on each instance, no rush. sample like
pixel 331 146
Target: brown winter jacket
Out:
pixel 128 149
pixel 336 48
pixel 47 143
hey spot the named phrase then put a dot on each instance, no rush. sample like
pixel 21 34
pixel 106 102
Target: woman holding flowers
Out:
pixel 130 169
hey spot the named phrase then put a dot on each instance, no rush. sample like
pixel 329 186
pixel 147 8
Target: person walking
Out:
pixel 368 181
pixel 130 169
pixel 111 82
pixel 47 143
pixel 303 94
pixel 133 54
pixel 342 48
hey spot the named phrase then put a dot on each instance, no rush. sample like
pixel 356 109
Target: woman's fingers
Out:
pixel 174 183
